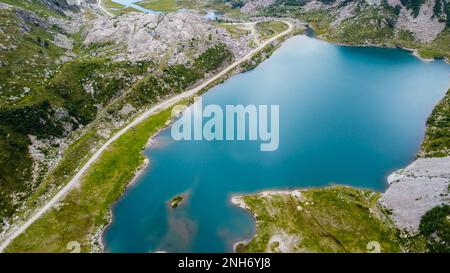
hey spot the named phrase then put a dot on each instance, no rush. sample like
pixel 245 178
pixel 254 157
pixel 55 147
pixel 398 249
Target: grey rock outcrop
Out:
pixel 413 191
pixel 175 36
pixel 425 27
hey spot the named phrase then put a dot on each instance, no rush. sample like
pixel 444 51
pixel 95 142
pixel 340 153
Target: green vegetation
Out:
pixel 267 51
pixel 441 10
pixel 437 9
pixel 227 7
pixel 86 208
pixel 74 156
pixel 116 8
pixel 413 5
pixel 24 109
pixel 335 219
pixel 174 5
pixel 36 119
pixel 161 5
pixel 30 51
pixel 236 4
pixel 370 25
pixel 176 201
pixel 80 150
pixel 236 31
pixel 438 48
pixel 105 79
pixel 109 4
pixel 39 7
pixel 212 58
pixel 295 2
pixel 437 136
pixel 435 226
pixel 92 82
pixel 447 12
pixel 319 19
pixel 15 168
pixel 268 29
pixel 166 6
pixel 37 97
pixel 46 98
pixel 176 78
pixel 259 57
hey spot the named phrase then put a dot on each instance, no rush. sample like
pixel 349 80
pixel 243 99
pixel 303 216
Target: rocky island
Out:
pixel 176 201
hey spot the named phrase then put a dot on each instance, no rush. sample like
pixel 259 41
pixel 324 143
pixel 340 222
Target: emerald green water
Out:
pixel 348 115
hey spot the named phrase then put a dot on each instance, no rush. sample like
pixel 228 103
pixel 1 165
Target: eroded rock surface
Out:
pixel 173 36
pixel 417 189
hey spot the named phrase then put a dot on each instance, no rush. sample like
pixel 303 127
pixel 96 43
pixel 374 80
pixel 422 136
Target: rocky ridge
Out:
pixel 182 35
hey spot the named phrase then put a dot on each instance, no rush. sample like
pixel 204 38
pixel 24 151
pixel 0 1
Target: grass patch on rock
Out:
pixel 160 5
pixel 268 29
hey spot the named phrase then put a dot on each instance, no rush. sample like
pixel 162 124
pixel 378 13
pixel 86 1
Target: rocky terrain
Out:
pixel 422 25
pixel 426 25
pixel 178 36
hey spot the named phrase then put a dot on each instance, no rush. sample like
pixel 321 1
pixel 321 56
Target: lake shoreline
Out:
pixel 99 240
pixel 238 201
pixel 404 210
pixel 237 70
pixel 266 191
pixel 413 51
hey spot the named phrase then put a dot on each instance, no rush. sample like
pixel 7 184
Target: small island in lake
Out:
pixel 177 200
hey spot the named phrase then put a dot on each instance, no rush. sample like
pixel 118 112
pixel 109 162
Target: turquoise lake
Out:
pixel 348 115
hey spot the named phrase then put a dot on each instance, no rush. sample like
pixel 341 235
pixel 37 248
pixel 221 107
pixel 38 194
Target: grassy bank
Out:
pixel 117 86
pixel 268 29
pixel 86 209
pixel 163 5
pixel 335 219
pixel 437 136
pixel 83 211
pixel 236 31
